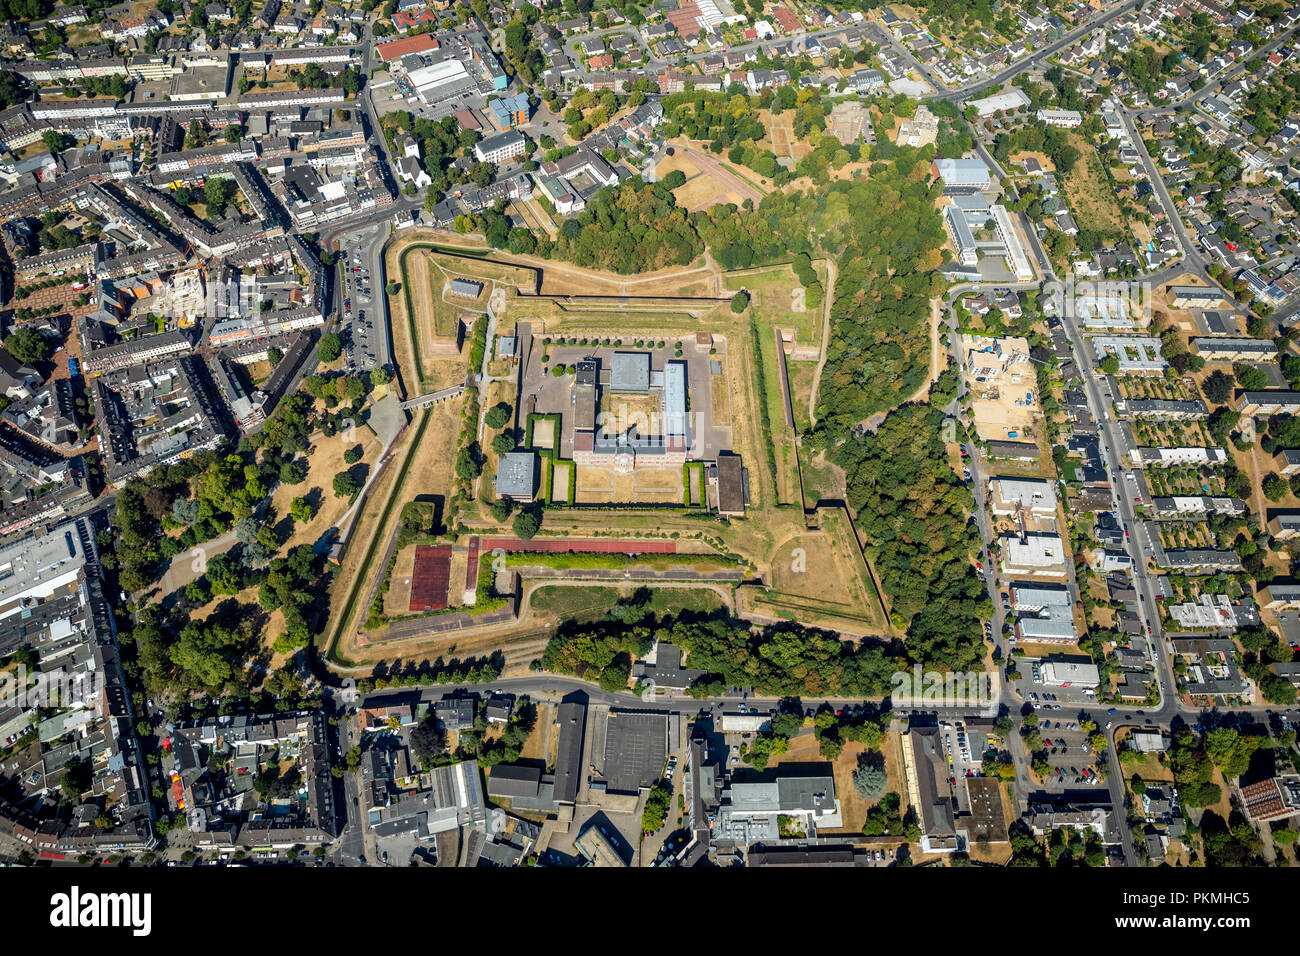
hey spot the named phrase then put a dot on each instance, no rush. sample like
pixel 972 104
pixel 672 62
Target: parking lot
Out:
pixel 364 349
pixel 1068 752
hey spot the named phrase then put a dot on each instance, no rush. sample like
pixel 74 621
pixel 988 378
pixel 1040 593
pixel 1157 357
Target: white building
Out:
pixel 1066 119
pixel 1010 101
pixel 1070 674
pixel 1041 555
pixel 499 148
pixel 1035 496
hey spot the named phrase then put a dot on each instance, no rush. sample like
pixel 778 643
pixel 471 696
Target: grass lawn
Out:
pixel 773 299
pixel 585 604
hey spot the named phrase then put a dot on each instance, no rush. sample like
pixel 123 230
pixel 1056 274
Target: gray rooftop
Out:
pixel 630 372
pixel 516 474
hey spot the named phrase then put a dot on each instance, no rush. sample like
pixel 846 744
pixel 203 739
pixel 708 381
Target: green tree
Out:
pixel 27 346
pixel 870 780
pixel 331 346
pixel 300 510
pixel 1250 377
pixel 1275 487
pixel 1218 387
pixel 53 140
pixel 345 486
pixel 526 524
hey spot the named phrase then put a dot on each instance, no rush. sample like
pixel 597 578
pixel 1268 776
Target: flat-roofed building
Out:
pixel 1148 741
pixel 517 475
pixel 753 805
pixel 962 173
pixel 1009 495
pixel 1135 354
pixel 597 846
pixel 731 485
pixel 1010 101
pixel 1066 119
pixel 1070 674
pixel 630 372
pixel 963 240
pixel 499 148
pixel 676 417
pixel 1041 555
pixel 1017 260
pixel 1044 615
pixel 986 822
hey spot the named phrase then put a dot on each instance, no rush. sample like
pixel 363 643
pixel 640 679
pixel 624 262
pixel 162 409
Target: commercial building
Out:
pixel 1070 674
pixel 1148 741
pixel 959 232
pixel 1013 100
pixel 1041 555
pixel 1044 615
pixel 1009 496
pixel 509 112
pixel 756 807
pixel 499 148
pixel 1017 260
pixel 971 173
pixel 1066 119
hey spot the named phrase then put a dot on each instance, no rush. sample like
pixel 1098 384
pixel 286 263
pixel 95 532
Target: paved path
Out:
pixel 826 337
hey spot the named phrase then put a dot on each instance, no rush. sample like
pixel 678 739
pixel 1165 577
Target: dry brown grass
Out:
pixel 1089 193
pixel 324 462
